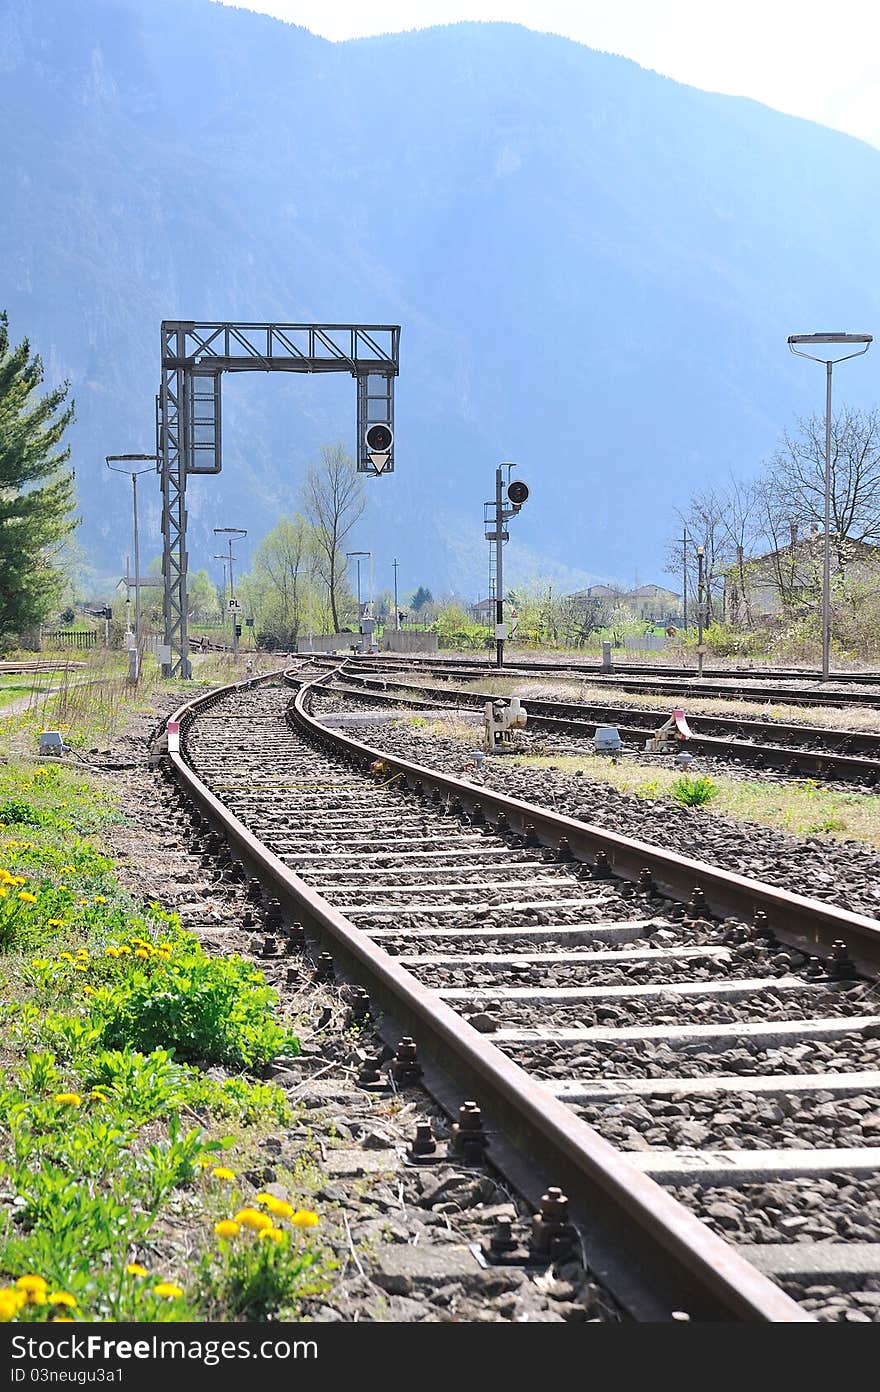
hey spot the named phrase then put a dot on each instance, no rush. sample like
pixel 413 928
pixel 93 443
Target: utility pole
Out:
pixel 237 532
pixel 128 628
pixel 112 460
pixel 499 562
pixel 311 621
pixel 396 610
pixel 684 573
pixel 701 552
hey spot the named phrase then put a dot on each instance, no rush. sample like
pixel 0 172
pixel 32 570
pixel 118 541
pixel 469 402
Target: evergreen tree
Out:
pixel 36 497
pixel 421 597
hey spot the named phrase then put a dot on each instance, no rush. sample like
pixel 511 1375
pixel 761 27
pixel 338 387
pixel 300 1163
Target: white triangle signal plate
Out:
pixel 379 459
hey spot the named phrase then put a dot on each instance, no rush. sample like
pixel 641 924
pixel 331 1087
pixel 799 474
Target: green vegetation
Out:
pixel 801 809
pixel 694 792
pixel 109 1127
pixel 36 497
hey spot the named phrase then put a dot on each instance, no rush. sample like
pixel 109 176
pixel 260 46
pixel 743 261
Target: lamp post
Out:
pixel 816 340
pixel 112 461
pixel 358 555
pixel 237 532
pixel 701 554
pixel 219 556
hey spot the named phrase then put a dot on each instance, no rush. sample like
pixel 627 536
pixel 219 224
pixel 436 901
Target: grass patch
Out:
pixel 805 808
pixel 117 1149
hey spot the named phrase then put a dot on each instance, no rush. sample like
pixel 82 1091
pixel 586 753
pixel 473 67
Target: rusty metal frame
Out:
pixel 640 1237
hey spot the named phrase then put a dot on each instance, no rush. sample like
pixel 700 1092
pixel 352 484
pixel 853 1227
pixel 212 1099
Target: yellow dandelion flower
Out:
pixel 3 891
pixel 63 1298
pixel 5 875
pixel 82 901
pixel 111 952
pixel 303 1218
pixel 142 953
pixel 96 1094
pixel 67 869
pixel 166 947
pixel 18 879
pixel 221 1172
pixel 32 1283
pixel 279 1208
pixel 40 962
pixel 65 957
pixel 135 1269
pixel 68 1099
pixel 41 773
pixel 227 1227
pixel 26 897
pixel 272 1235
pixel 123 951
pixel 168 1291
pixel 80 966
pixel 11 1302
pixel 87 989
pixel 252 1218
pixel 56 923
pixel 100 899
pixel 62 1319
pixel 33 1288
pixel 82 952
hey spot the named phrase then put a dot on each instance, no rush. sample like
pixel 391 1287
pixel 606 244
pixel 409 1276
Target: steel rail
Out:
pixel 639 1234
pixel 544 714
pixel 867 678
pixel 660 686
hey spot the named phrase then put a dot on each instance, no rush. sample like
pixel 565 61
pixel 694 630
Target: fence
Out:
pixel 71 638
pixel 646 642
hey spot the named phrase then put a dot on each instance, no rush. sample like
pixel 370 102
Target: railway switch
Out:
pixel 670 735
pixel 501 720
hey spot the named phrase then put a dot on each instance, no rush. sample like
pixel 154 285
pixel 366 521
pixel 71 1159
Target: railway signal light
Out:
pixel 517 492
pixel 379 439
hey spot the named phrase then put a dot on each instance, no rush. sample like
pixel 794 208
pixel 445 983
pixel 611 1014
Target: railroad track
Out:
pixel 733 687
pixel 712 1028
pixel 849 755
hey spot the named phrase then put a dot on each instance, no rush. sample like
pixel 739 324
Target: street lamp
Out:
pixel 239 532
pixel 359 554
pixel 112 461
pixel 815 340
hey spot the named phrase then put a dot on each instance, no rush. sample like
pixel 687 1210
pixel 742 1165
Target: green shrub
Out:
pixel 693 792
pixel 201 1009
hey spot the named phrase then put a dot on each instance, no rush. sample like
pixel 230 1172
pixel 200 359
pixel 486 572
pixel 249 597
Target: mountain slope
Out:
pixel 594 267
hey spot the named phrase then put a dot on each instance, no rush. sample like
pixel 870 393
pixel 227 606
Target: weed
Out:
pixel 694 792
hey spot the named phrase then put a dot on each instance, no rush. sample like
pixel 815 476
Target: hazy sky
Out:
pixel 815 60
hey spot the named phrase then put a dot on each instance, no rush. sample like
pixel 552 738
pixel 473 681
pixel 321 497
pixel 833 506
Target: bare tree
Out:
pixel 797 477
pixel 334 499
pixel 704 520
